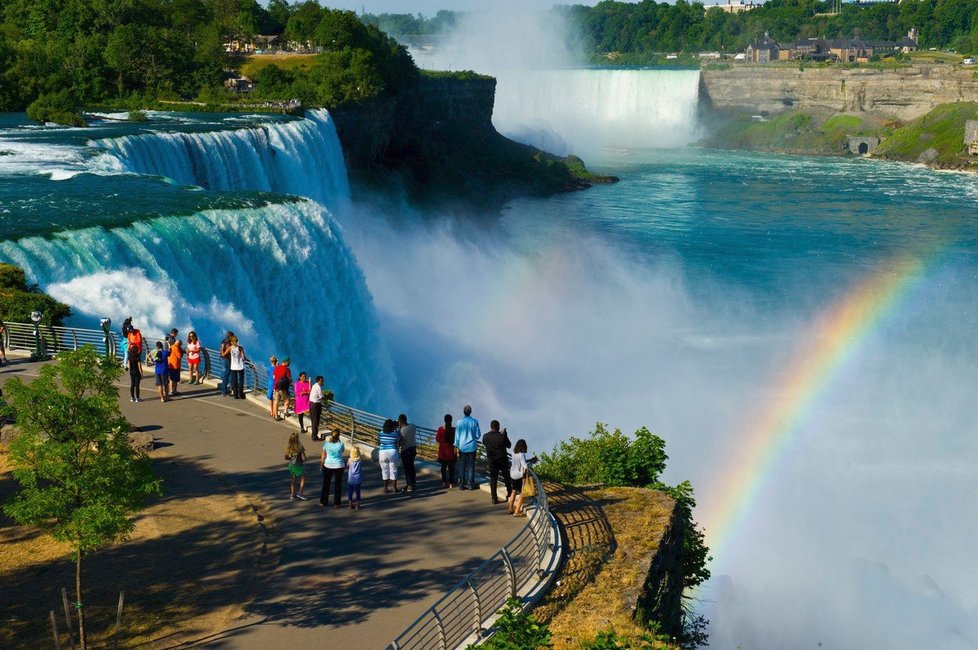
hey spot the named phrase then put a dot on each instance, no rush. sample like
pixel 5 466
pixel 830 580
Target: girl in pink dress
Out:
pixel 302 389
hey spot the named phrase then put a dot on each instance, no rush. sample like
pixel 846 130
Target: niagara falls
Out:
pixel 589 231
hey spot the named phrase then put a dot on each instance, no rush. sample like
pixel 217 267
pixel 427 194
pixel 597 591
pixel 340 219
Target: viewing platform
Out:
pixel 299 574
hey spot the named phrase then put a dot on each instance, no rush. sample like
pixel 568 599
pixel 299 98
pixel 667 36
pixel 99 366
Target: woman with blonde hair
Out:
pixel 295 453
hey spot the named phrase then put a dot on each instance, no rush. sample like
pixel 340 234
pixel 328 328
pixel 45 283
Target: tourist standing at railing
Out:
pixel 467 435
pixel 135 366
pixel 387 453
pixel 272 362
pixel 409 451
pixel 332 465
pixel 238 358
pixel 518 472
pixel 283 382
pixel 174 359
pixel 302 391
pixel 447 454
pixel 226 358
pixel 316 405
pixel 3 344
pixel 158 359
pixel 496 443
pixel 193 358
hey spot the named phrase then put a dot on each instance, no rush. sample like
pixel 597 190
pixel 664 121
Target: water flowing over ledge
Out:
pixel 300 157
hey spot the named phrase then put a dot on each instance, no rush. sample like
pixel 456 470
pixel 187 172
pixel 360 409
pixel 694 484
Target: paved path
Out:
pixel 347 579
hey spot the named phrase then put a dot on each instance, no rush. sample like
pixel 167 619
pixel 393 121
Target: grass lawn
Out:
pixel 252 64
pixel 926 56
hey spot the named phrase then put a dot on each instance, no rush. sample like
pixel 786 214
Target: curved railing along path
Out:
pixel 415 547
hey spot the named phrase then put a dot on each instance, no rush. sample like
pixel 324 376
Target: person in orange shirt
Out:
pixel 173 360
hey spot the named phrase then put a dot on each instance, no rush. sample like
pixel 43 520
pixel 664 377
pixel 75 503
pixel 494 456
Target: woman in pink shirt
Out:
pixel 193 358
pixel 302 390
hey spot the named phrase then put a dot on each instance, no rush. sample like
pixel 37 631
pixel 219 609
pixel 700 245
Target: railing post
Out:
pixel 207 362
pixel 478 608
pixel 443 641
pixel 74 338
pixel 511 570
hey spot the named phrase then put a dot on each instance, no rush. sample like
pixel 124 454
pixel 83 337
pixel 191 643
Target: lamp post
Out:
pixel 36 319
pixel 106 324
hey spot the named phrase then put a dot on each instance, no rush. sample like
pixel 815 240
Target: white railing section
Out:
pixel 463 614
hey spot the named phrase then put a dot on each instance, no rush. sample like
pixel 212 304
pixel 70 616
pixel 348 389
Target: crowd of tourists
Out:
pixel 458 442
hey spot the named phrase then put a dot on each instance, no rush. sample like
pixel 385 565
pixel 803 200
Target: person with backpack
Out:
pixel 135 367
pixel 283 381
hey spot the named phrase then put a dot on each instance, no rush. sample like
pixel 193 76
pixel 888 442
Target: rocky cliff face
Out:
pixel 903 93
pixel 660 598
pixel 435 146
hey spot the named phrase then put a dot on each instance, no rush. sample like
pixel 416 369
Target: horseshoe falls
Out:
pixel 583 111
pixel 85 213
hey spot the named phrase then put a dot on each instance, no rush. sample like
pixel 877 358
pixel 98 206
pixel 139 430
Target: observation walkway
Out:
pixel 345 579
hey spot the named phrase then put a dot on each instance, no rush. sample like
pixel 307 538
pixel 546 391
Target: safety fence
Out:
pixel 467 610
pixel 465 613
pixel 360 426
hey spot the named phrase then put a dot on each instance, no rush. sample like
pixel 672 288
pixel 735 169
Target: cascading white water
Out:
pixel 301 157
pixel 280 276
pixel 581 111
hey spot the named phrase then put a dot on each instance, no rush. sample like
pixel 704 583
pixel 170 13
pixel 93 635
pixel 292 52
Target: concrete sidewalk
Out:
pixel 346 579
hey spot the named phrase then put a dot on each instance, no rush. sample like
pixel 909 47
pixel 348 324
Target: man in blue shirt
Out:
pixel 467 436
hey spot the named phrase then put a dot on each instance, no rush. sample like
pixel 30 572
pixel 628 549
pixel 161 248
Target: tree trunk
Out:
pixel 78 600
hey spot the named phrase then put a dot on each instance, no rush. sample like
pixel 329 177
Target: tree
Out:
pixel 80 480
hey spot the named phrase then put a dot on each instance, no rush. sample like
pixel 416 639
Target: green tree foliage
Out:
pixel 611 458
pixel 60 55
pixel 649 27
pixel 80 479
pixel 607 457
pixel 18 299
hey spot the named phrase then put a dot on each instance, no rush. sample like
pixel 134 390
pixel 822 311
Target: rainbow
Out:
pixel 820 357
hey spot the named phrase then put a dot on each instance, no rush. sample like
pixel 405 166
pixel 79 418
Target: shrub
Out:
pixel 57 108
pixel 517 630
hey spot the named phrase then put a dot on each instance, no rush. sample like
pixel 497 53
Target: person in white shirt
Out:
pixel 316 405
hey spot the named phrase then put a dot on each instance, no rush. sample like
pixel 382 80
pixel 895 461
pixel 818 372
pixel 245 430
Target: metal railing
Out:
pixel 465 612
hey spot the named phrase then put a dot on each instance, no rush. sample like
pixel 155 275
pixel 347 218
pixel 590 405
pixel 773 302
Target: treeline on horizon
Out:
pixel 59 55
pixel 648 27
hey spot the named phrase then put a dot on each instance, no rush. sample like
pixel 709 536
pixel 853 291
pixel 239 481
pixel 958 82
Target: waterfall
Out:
pixel 301 157
pixel 280 276
pixel 580 111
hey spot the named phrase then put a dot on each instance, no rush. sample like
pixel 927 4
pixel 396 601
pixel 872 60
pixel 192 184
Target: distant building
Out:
pixel 846 50
pixel 736 6
pixel 763 51
pixel 240 84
